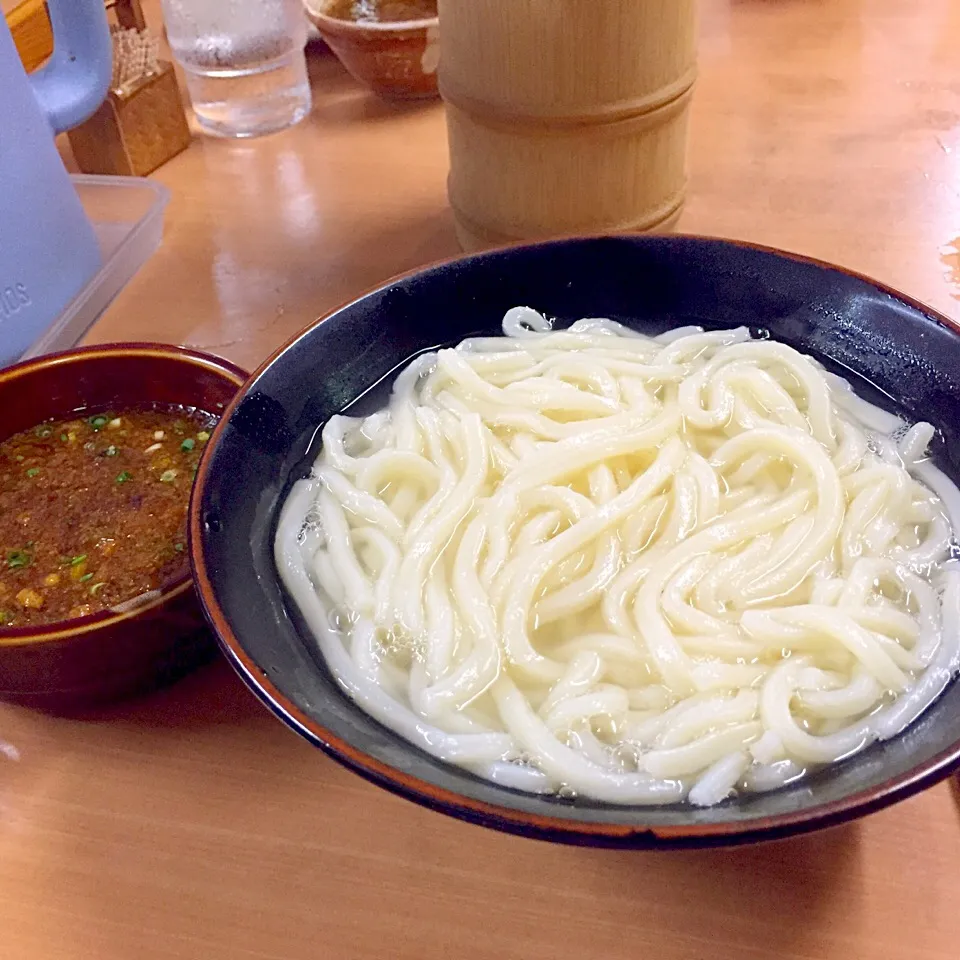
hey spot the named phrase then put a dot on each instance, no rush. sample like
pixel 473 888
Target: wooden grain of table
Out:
pixel 193 825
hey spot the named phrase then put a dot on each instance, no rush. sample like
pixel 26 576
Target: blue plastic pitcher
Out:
pixel 48 249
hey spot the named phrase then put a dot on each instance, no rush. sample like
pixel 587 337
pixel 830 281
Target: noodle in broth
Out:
pixel 637 569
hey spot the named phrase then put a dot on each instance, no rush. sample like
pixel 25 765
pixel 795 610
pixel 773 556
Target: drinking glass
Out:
pixel 243 61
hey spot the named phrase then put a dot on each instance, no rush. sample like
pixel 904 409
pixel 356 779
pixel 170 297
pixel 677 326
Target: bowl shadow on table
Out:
pixel 212 694
pixel 340 99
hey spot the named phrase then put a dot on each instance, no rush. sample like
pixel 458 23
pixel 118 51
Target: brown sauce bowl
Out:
pixel 396 59
pixel 105 656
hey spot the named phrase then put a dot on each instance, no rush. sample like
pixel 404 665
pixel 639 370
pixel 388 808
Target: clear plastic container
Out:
pixel 127 217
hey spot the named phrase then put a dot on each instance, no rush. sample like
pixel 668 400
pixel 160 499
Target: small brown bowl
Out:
pixel 396 59
pixel 104 656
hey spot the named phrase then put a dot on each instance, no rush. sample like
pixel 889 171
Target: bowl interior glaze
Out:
pixel 896 352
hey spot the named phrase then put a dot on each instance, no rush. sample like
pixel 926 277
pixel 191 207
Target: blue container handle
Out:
pixel 74 82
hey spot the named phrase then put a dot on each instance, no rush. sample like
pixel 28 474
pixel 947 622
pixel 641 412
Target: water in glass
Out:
pixel 243 61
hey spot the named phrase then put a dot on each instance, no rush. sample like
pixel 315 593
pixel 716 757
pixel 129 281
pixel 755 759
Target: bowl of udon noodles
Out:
pixel 632 541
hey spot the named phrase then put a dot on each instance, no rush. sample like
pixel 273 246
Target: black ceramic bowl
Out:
pixel 904 355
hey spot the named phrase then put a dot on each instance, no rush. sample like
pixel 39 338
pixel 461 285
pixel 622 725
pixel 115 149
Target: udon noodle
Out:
pixel 636 569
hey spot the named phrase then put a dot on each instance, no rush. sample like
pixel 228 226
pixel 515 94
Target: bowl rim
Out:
pixel 76 626
pixel 508 819
pixel 356 27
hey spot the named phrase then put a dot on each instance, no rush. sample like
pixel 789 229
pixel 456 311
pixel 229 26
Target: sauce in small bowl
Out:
pixel 381 11
pixel 93 510
pixel 96 592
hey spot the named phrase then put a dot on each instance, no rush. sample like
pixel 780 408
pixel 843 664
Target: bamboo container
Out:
pixel 565 116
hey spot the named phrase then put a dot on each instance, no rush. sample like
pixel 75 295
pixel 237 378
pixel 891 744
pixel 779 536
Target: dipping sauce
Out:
pixel 381 11
pixel 93 510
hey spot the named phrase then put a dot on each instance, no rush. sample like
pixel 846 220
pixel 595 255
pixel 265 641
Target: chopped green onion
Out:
pixel 111 451
pixel 177 426
pixel 19 458
pixel 90 445
pixel 178 547
pixel 33 471
pixel 63 438
pixel 203 436
pixel 77 560
pixel 98 423
pixel 5 617
pixel 124 476
pixel 187 445
pixel 43 432
pixel 97 586
pixel 86 577
pixel 18 558
pixel 168 476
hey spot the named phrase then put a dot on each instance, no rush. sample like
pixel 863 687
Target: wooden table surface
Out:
pixel 193 825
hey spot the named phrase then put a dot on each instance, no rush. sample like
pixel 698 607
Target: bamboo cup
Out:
pixel 565 116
